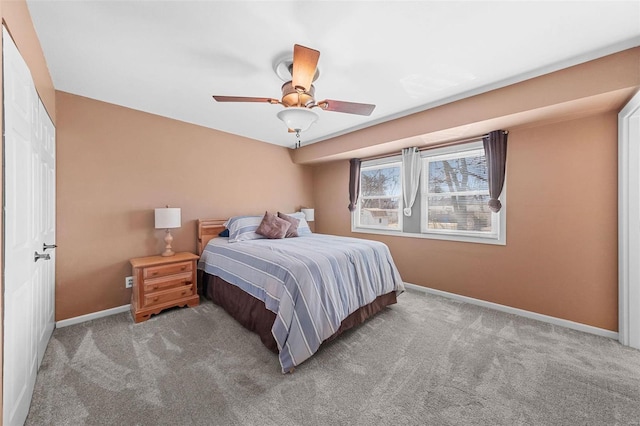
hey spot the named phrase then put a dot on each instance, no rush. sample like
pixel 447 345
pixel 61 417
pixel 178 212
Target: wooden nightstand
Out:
pixel 163 282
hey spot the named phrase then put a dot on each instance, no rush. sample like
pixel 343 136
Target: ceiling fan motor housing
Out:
pixel 292 97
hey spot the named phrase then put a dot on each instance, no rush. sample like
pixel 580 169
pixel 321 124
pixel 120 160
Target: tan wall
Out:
pixel 16 17
pixel 561 253
pixel 115 165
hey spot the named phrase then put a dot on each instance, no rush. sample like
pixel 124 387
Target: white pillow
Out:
pixel 243 228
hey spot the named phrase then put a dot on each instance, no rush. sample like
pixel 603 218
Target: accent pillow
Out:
pixel 273 227
pixel 243 228
pixel 293 229
pixel 224 233
pixel 303 226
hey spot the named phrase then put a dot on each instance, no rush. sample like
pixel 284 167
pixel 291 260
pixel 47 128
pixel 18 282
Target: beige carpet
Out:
pixel 425 361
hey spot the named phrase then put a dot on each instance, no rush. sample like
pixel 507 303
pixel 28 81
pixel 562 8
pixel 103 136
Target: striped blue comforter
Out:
pixel 311 283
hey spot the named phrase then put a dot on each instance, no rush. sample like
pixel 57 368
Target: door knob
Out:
pixel 37 256
pixel 46 246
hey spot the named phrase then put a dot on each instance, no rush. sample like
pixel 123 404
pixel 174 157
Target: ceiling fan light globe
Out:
pixel 298 119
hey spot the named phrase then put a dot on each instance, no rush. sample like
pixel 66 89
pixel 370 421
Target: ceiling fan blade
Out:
pixel 348 107
pixel 305 61
pixel 243 99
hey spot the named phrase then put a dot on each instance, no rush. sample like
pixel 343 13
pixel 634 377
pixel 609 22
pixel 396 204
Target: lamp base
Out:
pixel 168 239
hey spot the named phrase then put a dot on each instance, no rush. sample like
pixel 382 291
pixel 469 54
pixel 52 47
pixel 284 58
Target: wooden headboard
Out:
pixel 208 229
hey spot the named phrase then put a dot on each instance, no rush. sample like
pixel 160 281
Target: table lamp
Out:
pixel 167 218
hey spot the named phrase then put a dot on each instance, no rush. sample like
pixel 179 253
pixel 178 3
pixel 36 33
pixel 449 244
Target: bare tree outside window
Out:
pixel 381 190
pixel 458 192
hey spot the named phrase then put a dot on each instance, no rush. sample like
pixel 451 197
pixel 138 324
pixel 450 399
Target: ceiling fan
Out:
pixel 298 93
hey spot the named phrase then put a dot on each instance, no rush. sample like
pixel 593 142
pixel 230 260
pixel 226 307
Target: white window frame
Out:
pixel 499 220
pixel 379 164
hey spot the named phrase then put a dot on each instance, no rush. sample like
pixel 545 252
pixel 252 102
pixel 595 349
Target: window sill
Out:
pixel 443 237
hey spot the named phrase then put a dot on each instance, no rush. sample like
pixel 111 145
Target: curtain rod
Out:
pixel 429 147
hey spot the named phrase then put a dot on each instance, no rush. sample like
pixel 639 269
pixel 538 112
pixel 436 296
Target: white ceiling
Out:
pixel 170 57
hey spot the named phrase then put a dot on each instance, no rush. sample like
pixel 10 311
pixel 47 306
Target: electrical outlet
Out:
pixel 128 282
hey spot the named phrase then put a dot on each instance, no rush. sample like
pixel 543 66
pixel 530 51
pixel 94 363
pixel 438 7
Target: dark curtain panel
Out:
pixel 495 150
pixel 354 183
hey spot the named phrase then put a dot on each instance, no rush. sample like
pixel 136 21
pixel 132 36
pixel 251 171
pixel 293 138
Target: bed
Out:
pixel 295 293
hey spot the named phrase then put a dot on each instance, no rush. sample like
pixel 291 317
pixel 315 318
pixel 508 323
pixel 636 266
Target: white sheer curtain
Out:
pixel 411 164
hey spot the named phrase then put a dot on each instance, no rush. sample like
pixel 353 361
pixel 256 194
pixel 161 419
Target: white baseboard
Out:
pixel 496 306
pixel 521 312
pixel 92 316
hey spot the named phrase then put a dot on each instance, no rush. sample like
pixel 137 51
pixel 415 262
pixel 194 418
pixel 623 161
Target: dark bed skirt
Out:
pixel 253 315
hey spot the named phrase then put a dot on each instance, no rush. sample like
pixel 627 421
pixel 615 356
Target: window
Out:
pixel 455 193
pixel 452 203
pixel 380 202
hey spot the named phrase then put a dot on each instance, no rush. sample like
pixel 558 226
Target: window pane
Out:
pixel 380 182
pixel 459 213
pixel 380 212
pixel 458 175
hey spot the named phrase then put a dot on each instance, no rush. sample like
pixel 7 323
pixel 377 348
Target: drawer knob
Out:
pixel 184 267
pixel 187 283
pixel 155 299
pixel 184 292
pixel 155 287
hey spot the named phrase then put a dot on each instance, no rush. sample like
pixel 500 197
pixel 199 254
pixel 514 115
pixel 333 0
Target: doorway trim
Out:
pixel 629 223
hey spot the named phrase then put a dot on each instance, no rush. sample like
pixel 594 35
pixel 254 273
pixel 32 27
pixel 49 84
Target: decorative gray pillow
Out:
pixel 273 227
pixel 293 229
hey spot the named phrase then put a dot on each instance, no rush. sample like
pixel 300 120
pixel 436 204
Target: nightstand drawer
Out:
pixel 164 270
pixel 165 283
pixel 167 296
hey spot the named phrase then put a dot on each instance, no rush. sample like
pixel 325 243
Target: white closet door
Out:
pixel 28 218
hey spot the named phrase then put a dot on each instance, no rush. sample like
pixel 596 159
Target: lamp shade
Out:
pixel 298 118
pixel 168 217
pixel 309 214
